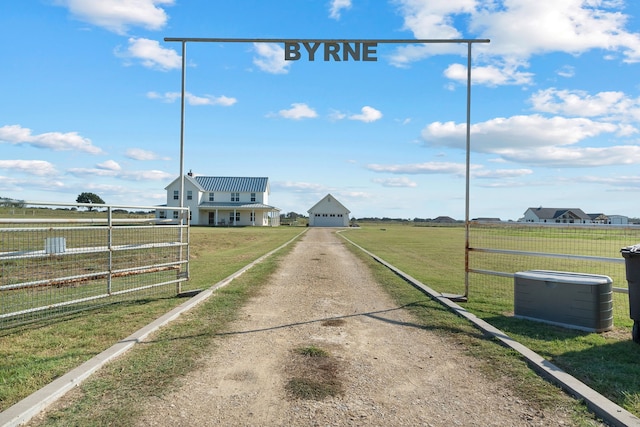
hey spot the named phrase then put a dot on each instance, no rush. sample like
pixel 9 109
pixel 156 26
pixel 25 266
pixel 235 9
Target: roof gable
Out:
pixel 187 178
pixel 329 199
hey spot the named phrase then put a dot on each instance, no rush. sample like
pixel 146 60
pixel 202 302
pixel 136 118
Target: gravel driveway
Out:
pixel 385 370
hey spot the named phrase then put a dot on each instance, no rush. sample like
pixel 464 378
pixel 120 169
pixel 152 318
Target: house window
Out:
pixel 234 219
pixel 252 217
pixel 189 195
pixel 176 194
pixel 162 214
pixel 211 198
pixel 253 197
pixel 175 215
pixel 235 197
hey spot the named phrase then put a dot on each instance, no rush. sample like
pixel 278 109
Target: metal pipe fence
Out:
pixel 54 262
pixel 498 250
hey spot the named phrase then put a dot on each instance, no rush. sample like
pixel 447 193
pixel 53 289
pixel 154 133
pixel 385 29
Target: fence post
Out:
pixel 109 247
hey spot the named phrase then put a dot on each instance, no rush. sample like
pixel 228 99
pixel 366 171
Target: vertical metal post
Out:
pixel 182 93
pixel 468 169
pixel 109 247
pixel 182 215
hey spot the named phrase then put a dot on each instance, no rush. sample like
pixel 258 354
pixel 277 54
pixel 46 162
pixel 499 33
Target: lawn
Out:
pixel 435 255
pixel 33 355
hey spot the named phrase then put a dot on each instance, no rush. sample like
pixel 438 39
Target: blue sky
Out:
pixel 91 102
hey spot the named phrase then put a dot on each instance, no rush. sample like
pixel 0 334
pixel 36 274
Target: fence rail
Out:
pixel 498 250
pixel 65 261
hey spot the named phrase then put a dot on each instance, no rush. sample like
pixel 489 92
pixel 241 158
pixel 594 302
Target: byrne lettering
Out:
pixel 331 51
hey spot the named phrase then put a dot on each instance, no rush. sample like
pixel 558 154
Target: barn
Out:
pixel 328 212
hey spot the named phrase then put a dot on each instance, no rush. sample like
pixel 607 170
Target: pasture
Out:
pixel 435 255
pixel 34 354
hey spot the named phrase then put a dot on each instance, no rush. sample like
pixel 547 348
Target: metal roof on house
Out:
pixel 553 213
pixel 233 184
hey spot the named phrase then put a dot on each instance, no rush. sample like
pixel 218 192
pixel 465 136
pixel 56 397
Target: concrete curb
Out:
pixel 35 403
pixel 608 411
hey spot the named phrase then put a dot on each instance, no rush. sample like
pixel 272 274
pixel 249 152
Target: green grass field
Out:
pixel 435 255
pixel 33 355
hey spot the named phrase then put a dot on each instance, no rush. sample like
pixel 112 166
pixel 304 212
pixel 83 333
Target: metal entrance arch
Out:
pixel 468 42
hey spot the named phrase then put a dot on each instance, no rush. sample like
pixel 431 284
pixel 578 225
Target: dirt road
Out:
pixel 322 325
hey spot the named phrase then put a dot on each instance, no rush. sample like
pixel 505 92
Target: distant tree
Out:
pixel 4 201
pixel 89 198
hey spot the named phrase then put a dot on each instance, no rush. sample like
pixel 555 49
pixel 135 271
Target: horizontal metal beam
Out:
pixel 281 40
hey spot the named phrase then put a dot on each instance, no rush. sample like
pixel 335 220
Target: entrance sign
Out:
pixel 331 51
pixel 341 50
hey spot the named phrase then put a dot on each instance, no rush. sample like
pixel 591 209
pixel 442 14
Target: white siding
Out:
pixel 328 212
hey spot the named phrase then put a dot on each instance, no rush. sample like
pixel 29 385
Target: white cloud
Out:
pixel 566 71
pixel 335 115
pixel 151 54
pixel 442 168
pixel 56 141
pixel 271 58
pixel 100 170
pixel 449 168
pixel 110 165
pixel 337 6
pixel 367 115
pixel 302 187
pixel 533 131
pixel 118 15
pixel 140 154
pixel 194 100
pixel 298 111
pixel 395 182
pixel 537 140
pixel 491 75
pixel 575 156
pixel 32 167
pixel 527 27
pixel 517 30
pixel 611 104
pixel 500 173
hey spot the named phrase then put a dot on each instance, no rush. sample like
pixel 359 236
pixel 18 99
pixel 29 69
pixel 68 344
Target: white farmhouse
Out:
pixel 328 212
pixel 222 201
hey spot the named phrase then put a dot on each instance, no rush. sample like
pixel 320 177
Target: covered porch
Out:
pixel 230 215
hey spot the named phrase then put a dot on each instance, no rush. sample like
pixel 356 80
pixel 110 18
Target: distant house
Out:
pixel 443 220
pixel 599 218
pixel 329 212
pixel 222 201
pixel 557 216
